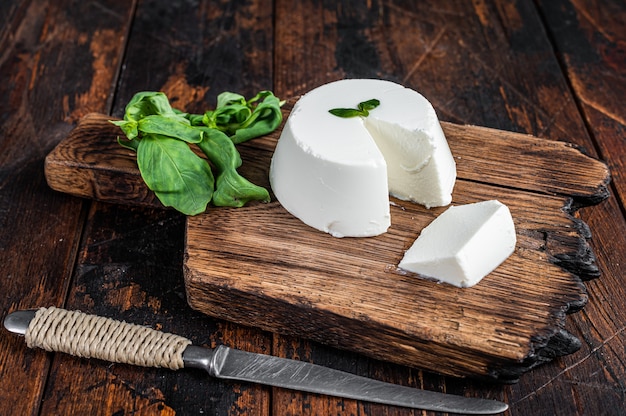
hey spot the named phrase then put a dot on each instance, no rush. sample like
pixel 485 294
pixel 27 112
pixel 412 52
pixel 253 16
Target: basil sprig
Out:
pixel 163 138
pixel 243 119
pixel 362 110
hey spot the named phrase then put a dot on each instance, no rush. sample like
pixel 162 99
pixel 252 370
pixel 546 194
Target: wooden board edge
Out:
pixel 217 301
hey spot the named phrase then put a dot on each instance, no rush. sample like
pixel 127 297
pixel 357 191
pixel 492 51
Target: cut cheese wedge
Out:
pixel 463 244
pixel 335 174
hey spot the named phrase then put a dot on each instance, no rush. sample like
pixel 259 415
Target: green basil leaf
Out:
pixel 195 119
pixel 228 119
pixel 128 127
pixel 231 189
pixel 160 135
pixel 227 98
pixel 147 103
pixel 178 177
pixel 369 104
pixel 265 118
pixel 261 96
pixel 178 128
pixel 345 112
pixel 129 144
pixel 260 128
pixel 362 109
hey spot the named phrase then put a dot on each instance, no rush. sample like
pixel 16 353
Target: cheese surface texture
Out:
pixel 463 244
pixel 335 174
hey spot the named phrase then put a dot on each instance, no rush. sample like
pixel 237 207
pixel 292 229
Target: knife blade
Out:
pixel 90 336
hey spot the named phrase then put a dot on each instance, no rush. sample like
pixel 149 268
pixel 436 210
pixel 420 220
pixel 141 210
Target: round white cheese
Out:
pixel 335 174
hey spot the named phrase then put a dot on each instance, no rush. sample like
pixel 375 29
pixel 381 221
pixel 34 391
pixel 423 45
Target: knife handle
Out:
pixel 90 336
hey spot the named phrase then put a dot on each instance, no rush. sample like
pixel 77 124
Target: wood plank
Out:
pixel 141 281
pixel 130 260
pixel 596 70
pixel 589 41
pixel 336 293
pixel 44 46
pixel 290 280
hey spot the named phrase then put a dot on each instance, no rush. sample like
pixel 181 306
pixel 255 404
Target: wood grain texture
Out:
pixel 335 291
pixel 288 278
pixel 141 278
pixel 553 69
pixel 130 262
pixel 589 40
pixel 591 44
pixel 491 63
pixel 42 43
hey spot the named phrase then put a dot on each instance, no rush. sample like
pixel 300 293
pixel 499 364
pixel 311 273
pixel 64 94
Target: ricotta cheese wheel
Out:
pixel 336 174
pixel 463 244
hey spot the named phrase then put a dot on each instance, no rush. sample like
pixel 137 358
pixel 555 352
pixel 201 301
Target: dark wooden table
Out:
pixel 552 68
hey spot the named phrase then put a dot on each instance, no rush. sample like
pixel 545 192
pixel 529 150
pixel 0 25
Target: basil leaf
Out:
pixel 227 119
pixel 362 109
pixel 369 104
pixel 345 112
pixel 179 177
pixel 128 127
pixel 227 98
pixel 147 103
pixel 195 119
pixel 244 120
pixel 179 128
pixel 231 189
pixel 265 118
pixel 161 136
pixel 129 144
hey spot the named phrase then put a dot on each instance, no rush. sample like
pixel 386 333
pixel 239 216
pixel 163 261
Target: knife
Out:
pixel 90 336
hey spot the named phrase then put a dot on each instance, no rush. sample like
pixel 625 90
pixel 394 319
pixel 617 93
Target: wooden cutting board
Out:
pixel 259 266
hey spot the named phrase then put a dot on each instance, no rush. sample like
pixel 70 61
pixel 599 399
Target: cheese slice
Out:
pixel 335 174
pixel 463 244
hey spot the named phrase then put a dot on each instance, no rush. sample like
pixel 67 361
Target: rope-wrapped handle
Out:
pixel 90 336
